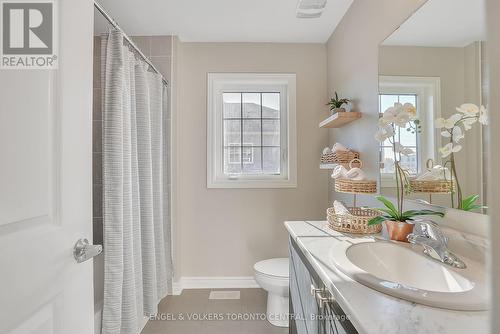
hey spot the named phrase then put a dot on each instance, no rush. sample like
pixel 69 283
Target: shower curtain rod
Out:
pixel 129 40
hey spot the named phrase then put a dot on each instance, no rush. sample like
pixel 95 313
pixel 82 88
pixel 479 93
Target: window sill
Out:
pixel 250 184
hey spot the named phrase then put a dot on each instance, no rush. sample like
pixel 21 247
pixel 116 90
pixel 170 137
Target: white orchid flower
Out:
pixel 469 109
pixel 403 150
pixel 402 119
pixel 457 134
pixel 384 132
pixel 449 149
pixel 468 122
pixel 410 110
pixel 483 116
pixel 389 115
pixel 448 123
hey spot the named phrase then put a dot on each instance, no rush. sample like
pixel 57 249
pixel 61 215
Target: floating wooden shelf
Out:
pixel 340 119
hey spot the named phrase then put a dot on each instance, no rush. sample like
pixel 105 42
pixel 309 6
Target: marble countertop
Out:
pixel 373 312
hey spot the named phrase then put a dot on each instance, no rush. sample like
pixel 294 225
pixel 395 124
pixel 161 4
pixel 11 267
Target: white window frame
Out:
pixel 428 90
pixel 219 83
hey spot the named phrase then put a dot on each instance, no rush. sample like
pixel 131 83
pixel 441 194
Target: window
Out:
pixel 251 131
pixel 424 94
pixel 403 135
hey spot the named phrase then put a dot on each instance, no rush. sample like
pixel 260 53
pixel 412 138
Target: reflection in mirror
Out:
pixel 435 62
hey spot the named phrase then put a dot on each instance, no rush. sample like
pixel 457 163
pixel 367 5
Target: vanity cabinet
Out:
pixel 313 309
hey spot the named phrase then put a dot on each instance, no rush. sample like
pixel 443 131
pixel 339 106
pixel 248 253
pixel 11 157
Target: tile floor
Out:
pixel 196 303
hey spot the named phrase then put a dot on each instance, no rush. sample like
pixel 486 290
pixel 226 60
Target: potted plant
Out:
pixel 398 222
pixel 454 129
pixel 338 105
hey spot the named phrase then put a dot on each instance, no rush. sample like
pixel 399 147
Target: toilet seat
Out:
pixel 277 268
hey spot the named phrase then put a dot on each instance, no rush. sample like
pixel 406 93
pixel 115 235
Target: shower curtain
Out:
pixel 137 257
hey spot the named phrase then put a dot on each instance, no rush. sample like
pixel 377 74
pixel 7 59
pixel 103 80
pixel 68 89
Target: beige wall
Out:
pixel 223 232
pixel 353 71
pixel 459 73
pixel 493 55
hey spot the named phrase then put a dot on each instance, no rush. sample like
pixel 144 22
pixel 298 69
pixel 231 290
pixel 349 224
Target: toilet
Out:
pixel 273 276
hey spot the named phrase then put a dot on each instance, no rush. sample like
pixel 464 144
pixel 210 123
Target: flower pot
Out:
pixel 398 230
pixel 336 110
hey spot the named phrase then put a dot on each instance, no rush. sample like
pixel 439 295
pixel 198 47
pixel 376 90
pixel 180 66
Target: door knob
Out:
pixel 84 251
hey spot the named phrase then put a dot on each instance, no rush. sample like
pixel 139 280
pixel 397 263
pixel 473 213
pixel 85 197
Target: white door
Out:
pixel 45 186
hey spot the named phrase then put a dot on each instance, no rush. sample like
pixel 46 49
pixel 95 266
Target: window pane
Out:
pixel 270 132
pixel 271 105
pixel 251 105
pixel 407 138
pixel 271 163
pixel 251 132
pixel 252 160
pixel 408 99
pixel 387 158
pixel 231 105
pixel 232 160
pixel 232 132
pixel 387 101
pixel 409 163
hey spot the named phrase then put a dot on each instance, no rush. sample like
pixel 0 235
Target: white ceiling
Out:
pixel 224 20
pixel 445 23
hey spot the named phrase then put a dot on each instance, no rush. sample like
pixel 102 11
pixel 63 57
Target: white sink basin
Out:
pixel 401 270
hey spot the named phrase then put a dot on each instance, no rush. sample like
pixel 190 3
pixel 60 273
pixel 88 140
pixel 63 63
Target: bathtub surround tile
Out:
pixel 143 43
pixel 97 200
pixel 97 168
pixel 161 46
pixel 164 65
pixel 97 105
pixel 97 136
pixel 97 231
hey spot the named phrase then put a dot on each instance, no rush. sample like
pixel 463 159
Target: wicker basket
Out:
pixel 432 187
pixel 355 187
pixel 341 157
pixel 354 222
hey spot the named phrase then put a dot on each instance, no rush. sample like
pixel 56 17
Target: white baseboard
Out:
pixel 224 282
pixel 176 288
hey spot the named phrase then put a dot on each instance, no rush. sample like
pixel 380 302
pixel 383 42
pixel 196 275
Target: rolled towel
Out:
pixel 326 150
pixel 339 172
pixel 340 208
pixel 436 173
pixel 356 174
pixel 339 147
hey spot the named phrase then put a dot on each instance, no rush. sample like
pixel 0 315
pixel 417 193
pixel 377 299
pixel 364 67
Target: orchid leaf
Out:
pixel 413 213
pixel 469 204
pixel 388 211
pixel 377 220
pixel 394 212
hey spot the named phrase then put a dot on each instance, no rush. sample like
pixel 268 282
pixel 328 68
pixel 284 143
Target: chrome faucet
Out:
pixel 428 234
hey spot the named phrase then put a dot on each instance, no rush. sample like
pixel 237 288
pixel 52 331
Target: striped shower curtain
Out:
pixel 137 257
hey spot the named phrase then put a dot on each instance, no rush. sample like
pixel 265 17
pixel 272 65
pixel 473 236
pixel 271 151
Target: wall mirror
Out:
pixel 435 62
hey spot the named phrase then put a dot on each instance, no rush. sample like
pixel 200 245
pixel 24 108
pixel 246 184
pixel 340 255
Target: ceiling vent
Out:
pixel 307 9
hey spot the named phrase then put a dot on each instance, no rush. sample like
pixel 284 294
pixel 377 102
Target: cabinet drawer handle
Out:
pixel 314 290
